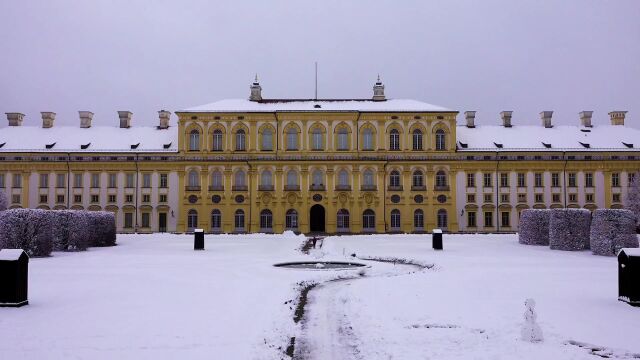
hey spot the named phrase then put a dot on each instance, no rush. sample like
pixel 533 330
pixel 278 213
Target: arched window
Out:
pixel 343 220
pixel 394 178
pixel 216 180
pixel 266 220
pixel 442 219
pixel 266 178
pixel 240 141
pixel 417 139
pixel 369 220
pixel 192 220
pixel 194 140
pixel 441 179
pixel 343 139
pixel 216 220
pixel 291 220
pixel 418 220
pixel 292 178
pixel 367 139
pixel 317 178
pixel 367 178
pixel 238 220
pixel 240 178
pixel 417 179
pixel 343 178
pixel 267 140
pixel 217 140
pixel 395 219
pixel 194 178
pixel 394 140
pixel 441 140
pixel 292 139
pixel 316 139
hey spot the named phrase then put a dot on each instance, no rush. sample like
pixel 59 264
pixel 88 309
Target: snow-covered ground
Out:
pixel 153 297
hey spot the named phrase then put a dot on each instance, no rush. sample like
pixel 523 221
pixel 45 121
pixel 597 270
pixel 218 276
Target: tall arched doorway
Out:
pixel 316 218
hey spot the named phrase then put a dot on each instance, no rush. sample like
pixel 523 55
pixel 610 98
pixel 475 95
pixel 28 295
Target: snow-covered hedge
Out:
pixel 633 198
pixel 569 229
pixel 612 230
pixel 4 202
pixel 78 226
pixel 102 228
pixel 27 229
pixel 534 227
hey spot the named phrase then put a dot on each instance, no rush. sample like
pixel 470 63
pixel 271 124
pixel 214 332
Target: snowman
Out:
pixel 531 331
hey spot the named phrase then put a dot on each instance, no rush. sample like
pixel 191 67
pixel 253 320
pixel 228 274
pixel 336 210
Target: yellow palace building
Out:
pixel 317 165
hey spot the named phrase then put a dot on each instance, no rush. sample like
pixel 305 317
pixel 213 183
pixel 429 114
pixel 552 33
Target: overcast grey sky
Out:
pixel 490 55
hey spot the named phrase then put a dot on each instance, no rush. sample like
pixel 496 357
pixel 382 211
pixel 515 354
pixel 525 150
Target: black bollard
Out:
pixel 437 239
pixel 198 240
pixel 14 279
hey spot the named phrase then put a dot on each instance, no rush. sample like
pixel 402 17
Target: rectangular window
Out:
pixel 539 198
pixel 95 198
pixel 146 220
pixel 113 181
pixel 44 180
pixel 128 220
pixel 15 198
pixel 128 198
pixel 589 198
pixel 17 181
pixel 471 219
pixel 615 180
pixel 488 198
pixel 488 219
pixel 505 217
pixel 146 180
pixel 112 198
pixel 146 198
pixel 573 198
pixel 343 141
pixel 130 180
pixel 504 180
pixel 163 198
pixel 164 181
pixel 616 198
pixel 77 180
pixel 60 199
pixel 44 199
pixel 630 177
pixel 486 180
pixel 572 179
pixel 1 180
pixel 588 180
pixel 555 179
pixel 77 198
pixel 61 181
pixel 471 198
pixel 522 182
pixel 522 198
pixel 538 180
pixel 504 198
pixel 555 198
pixel 95 181
pixel 471 180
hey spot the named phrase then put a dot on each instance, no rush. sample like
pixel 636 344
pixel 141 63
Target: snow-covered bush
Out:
pixel 102 228
pixel 78 231
pixel 534 227
pixel 633 199
pixel 27 229
pixel 60 229
pixel 612 230
pixel 4 202
pixel 569 229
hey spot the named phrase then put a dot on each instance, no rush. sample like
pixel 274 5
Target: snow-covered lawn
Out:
pixel 153 297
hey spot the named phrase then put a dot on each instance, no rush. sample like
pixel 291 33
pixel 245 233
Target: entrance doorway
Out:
pixel 316 219
pixel 162 222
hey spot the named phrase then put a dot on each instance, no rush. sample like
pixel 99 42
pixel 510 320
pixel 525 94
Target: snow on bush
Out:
pixel 60 231
pixel 78 239
pixel 3 201
pixel 534 227
pixel 27 229
pixel 569 229
pixel 633 198
pixel 612 230
pixel 102 228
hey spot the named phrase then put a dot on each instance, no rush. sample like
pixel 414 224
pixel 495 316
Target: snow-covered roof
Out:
pixel 635 252
pixel 98 138
pixel 272 105
pixel 10 254
pixel 539 138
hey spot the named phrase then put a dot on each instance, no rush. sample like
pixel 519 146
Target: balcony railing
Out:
pixel 292 188
pixel 368 188
pixel 239 188
pixel 441 188
pixel 192 188
pixel 317 187
pixel 265 187
pixel 343 187
pixel 216 188
pixel 418 188
pixel 395 188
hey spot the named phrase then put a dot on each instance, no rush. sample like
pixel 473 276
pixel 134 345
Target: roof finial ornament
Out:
pixel 378 91
pixel 256 90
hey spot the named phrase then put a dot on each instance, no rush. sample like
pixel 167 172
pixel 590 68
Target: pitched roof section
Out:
pixel 557 138
pixel 99 138
pixel 294 105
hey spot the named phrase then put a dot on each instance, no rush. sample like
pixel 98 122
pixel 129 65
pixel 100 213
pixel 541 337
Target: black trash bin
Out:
pixel 629 276
pixel 198 239
pixel 14 279
pixel 437 239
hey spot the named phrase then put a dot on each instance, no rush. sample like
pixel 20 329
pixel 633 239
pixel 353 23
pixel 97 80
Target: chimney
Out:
pixel 47 119
pixel 378 91
pixel 164 119
pixel 470 116
pixel 85 119
pixel 125 119
pixel 546 118
pixel 506 118
pixel 585 118
pixel 15 119
pixel 617 117
pixel 256 90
